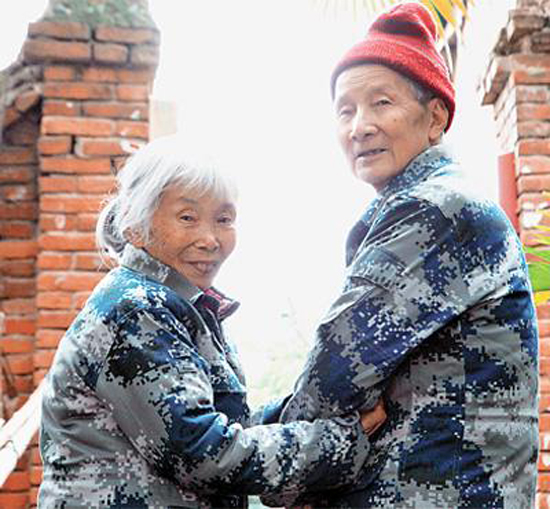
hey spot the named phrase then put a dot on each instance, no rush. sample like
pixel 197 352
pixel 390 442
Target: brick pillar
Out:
pixel 517 84
pixel 91 73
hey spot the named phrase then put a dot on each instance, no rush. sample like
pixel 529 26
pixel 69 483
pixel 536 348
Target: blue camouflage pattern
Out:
pixel 145 406
pixel 436 316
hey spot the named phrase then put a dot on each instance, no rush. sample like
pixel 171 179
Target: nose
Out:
pixel 208 239
pixel 362 126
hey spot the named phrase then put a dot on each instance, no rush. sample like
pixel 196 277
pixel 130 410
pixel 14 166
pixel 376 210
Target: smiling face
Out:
pixel 192 234
pixel 381 124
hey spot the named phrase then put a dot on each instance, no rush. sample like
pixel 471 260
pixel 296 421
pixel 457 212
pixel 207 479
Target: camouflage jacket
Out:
pixel 436 315
pixel 145 406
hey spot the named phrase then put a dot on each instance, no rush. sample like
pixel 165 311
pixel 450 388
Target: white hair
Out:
pixel 140 184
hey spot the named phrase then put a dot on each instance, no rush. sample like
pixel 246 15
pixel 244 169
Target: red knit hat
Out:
pixel 403 38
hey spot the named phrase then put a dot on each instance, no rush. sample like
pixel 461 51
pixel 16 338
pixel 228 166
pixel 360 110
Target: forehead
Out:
pixel 178 194
pixel 371 78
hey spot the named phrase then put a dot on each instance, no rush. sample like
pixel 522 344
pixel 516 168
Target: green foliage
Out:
pixel 121 13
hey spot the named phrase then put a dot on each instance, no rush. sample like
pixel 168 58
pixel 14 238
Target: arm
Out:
pixel 161 397
pixel 415 272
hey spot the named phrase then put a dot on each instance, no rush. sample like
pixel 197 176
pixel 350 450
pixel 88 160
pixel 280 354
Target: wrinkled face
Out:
pixel 381 124
pixel 192 234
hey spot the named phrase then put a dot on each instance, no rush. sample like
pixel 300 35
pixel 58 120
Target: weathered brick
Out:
pixel 18 193
pixel 530 111
pixel 126 35
pixel 132 129
pixel 60 29
pixel 144 76
pixel 86 147
pixel 48 338
pixel 532 94
pixel 100 74
pixel 54 145
pixel 17 267
pixel 96 184
pixel 19 325
pixel 25 210
pixel 81 299
pixel 133 111
pixel 78 126
pixel 68 281
pixel 57 184
pixel 54 300
pixel 17 481
pixel 146 55
pixel 70 90
pixel 75 165
pixel 531 77
pixel 16 229
pixel 17 155
pixel 22 287
pixel 64 108
pixel 110 53
pixel 11 115
pixel 58 222
pixel 533 164
pixel 67 242
pixel 10 249
pixel 14 500
pixel 17 345
pixel 44 358
pixel 35 475
pixel 134 93
pixel 59 73
pixel 19 364
pixel 528 183
pixel 54 261
pixel 39 50
pixel 15 175
pixel 88 261
pixel 86 222
pixel 27 100
pixel 533 147
pixel 22 133
pixel 70 203
pixel 18 306
pixel 533 129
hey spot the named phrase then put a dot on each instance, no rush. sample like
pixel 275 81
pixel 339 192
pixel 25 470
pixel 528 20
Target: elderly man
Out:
pixel 436 314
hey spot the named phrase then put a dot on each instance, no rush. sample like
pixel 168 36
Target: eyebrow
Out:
pixel 375 90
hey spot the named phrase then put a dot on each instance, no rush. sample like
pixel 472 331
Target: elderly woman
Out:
pixel 145 404
pixel 436 312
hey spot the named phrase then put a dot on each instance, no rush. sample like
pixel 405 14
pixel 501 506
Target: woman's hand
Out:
pixel 374 418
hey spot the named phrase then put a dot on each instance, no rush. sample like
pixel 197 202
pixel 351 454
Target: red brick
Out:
pixel 33 496
pixel 86 222
pixel 35 50
pixel 132 93
pixel 100 74
pixel 17 481
pixel 75 165
pixel 16 175
pixel 80 299
pixel 146 55
pixel 18 306
pixel 14 500
pixel 528 183
pixel 54 300
pixel 533 147
pixel 23 384
pixel 23 287
pixel 37 376
pixel 70 203
pixel 145 76
pixel 23 133
pixel 132 129
pixel 17 345
pixel 534 77
pixel 54 261
pixel 16 229
pixel 57 184
pixel 86 147
pixel 54 145
pixel 25 210
pixel 17 156
pixel 73 281
pixel 18 193
pixel 59 73
pixel 80 126
pixel 44 358
pixel 17 268
pixel 60 29
pixel 533 112
pixel 27 100
pixel 110 53
pixel 544 482
pixel 64 108
pixel 78 90
pixel 533 129
pixel 533 164
pixel 126 35
pixel 96 184
pixel 10 249
pixel 133 111
pixel 11 115
pixel 532 94
pixel 67 242
pixel 36 475
pixel 19 325
pixel 88 261
pixel 20 364
pixel 58 222
pixel 48 338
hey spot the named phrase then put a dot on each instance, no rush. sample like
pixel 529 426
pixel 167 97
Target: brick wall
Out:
pixel 75 103
pixel 517 84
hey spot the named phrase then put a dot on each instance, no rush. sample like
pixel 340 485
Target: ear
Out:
pixel 134 238
pixel 439 118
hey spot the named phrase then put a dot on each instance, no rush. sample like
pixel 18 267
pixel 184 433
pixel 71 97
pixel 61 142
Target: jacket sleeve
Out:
pixel 416 271
pixel 161 396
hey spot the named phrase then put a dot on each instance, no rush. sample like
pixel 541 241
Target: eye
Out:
pixel 345 112
pixel 226 220
pixel 187 218
pixel 382 102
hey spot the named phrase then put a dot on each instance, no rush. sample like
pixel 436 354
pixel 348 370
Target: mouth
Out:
pixel 370 153
pixel 204 268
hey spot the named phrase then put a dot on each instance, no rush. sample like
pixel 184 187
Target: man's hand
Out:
pixel 374 418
